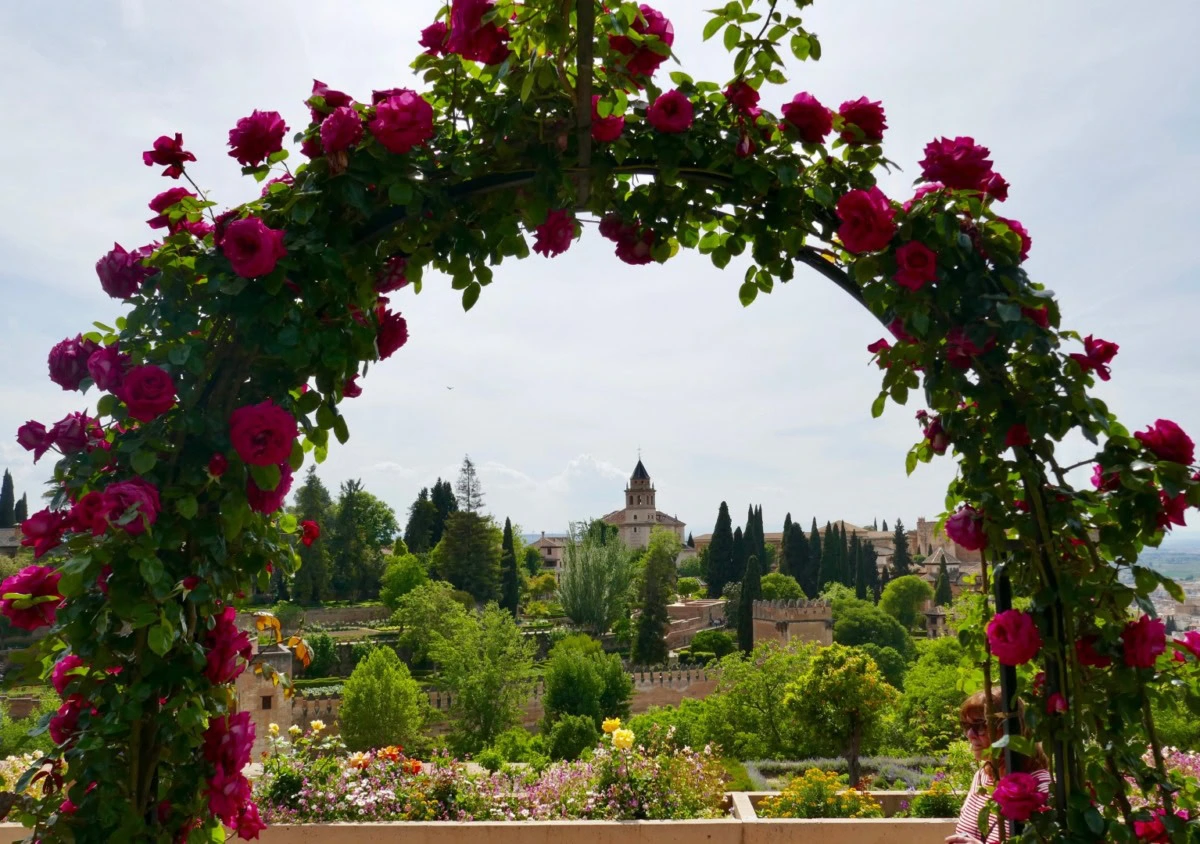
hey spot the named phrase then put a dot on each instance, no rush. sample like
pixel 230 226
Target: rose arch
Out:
pixel 246 329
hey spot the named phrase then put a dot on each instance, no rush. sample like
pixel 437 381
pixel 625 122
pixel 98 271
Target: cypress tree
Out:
pixel 422 517
pixel 783 564
pixel 830 571
pixel 445 502
pixel 691 543
pixel 901 560
pixel 845 559
pixel 751 592
pixel 510 578
pixel 814 559
pixel 21 511
pixel 884 525
pixel 799 563
pixel 884 579
pixel 720 553
pixel 740 553
pixel 761 534
pixel 649 644
pixel 310 585
pixel 853 562
pixel 942 596
pixel 869 573
pixel 875 524
pixel 8 501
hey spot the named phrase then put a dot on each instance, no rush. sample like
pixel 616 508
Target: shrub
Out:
pixel 324 655
pixel 688 586
pixel 692 657
pixel 489 759
pixel 820 794
pixel 960 765
pixel 781 587
pixel 571 735
pixel 403 574
pixel 715 642
pixel 692 567
pixel 583 680
pixel 676 726
pixel 382 704
pixel 290 615
pixel 937 801
pixel 14 732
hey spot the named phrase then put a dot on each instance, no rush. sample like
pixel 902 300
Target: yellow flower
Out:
pixel 295 730
pixel 317 725
pixel 273 729
pixel 611 724
pixel 360 760
pixel 622 739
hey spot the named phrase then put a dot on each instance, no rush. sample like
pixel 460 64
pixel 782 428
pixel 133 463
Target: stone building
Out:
pixel 929 539
pixel 641 514
pixel 10 541
pixel 551 550
pixel 793 621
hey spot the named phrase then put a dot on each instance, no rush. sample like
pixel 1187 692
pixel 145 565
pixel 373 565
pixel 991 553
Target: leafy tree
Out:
pixel 422 517
pixel 382 704
pixel 658 581
pixel 593 587
pixel 859 622
pixel 430 611
pixel 815 554
pixel 580 679
pixel 468 489
pixel 695 566
pixel 868 575
pixel 714 642
pixel 843 696
pixel 510 578
pixel 733 600
pixel 943 596
pixel 751 592
pixel 8 501
pixel 310 585
pixel 687 586
pixel 401 575
pixel 15 733
pixel 531 561
pixel 781 587
pixel 784 562
pixel 488 666
pixel 720 554
pixel 378 521
pixel 904 597
pixel 324 655
pixel 890 661
pixel 570 736
pixel 362 527
pixel 740 555
pixel 469 555
pixel 542 586
pixel 901 560
pixel 445 502
pixel 21 510
pixel 929 706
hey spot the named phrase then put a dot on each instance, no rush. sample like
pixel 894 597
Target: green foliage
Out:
pixel 422 518
pixel 468 489
pixel 429 612
pixel 860 622
pixel 362 527
pixel 720 561
pixel 444 503
pixel 931 700
pixel 571 736
pixel 8 501
pixel 468 555
pixel 15 738
pixel 510 578
pixel 21 510
pixel 937 801
pixel 942 594
pixel 901 558
pixel 820 794
pixel 596 578
pixel 751 592
pixel 290 616
pixel 401 575
pixel 688 587
pixel 781 587
pixel 531 561
pixel 310 585
pixel 324 655
pixel 580 679
pixel 715 642
pixel 695 566
pixel 658 583
pixel 890 662
pixel 489 759
pixel 685 725
pixel 732 593
pixel 382 704
pixel 903 599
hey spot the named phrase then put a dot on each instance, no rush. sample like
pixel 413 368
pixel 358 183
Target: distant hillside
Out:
pixel 1178 558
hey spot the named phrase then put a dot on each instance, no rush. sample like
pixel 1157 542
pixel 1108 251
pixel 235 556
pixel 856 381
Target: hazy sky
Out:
pixel 567 366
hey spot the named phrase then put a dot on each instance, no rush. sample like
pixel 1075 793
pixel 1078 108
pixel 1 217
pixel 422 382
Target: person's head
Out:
pixel 982 731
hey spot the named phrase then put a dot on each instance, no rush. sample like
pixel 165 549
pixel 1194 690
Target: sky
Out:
pixel 567 367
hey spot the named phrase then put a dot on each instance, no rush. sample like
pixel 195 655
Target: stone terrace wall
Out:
pixel 328 616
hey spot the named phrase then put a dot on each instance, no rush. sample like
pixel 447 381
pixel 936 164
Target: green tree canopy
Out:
pixel 720 554
pixel 942 594
pixel 510 576
pixel 469 555
pixel 904 597
pixel 751 592
pixel 468 489
pixel 932 697
pixel 444 502
pixel 401 575
pixel 428 612
pixel 422 517
pixel 658 582
pixel 21 511
pixel 382 704
pixel 597 573
pixel 901 558
pixel 781 587
pixel 859 622
pixel 8 501
pixel 580 679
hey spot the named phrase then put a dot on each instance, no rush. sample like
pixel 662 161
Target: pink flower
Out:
pixel 251 247
pixel 1189 642
pixel 916 265
pixel 67 807
pixel 352 390
pixel 1013 637
pixel 640 60
pixel 923 190
pixel 32 436
pixel 966 528
pixel 332 98
pixel 148 392
pixel 636 245
pixel 960 164
pixel 1143 640
pixel 1017 436
pixel 1040 316
pixel 1026 240
pixel 65 723
pixel 671 112
pixel 434 37
pixel 122 273
pixel 403 121
pixel 1167 441
pixel 473 39
pixel 392 333
pixel 256 138
pixel 392 276
pixel 311 532
pixel 1096 357
pixel 72 433
pixel 867 220
pixel 811 119
pixel 168 152
pixel 1019 796
pixel 1155 830
pixel 285 179
pixel 229 740
pixel 1105 482
pixel 961 350
pixel 90 513
pixel 1056 704
pixel 1173 510
pixel 268 501
pixel 742 96
pixel 1086 653
pixel 68 361
pixel 217 465
pixel 249 825
pixel 262 434
pixel 60 676
pixel 936 436
pixel 227 793
pixel 341 130
pixel 135 500
pixel 896 326
pixel 605 129
pixel 554 236
pixel 43 531
pixel 878 346
pixel 229 649
pixel 745 146
pixel 107 367
pixel 40 586
pixel 162 203
pixel 867 116
pixel 311 146
pixel 995 186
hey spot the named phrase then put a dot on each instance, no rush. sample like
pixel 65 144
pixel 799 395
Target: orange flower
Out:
pixel 413 766
pixel 391 754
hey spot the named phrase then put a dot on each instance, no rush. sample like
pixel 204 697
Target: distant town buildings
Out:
pixel 640 514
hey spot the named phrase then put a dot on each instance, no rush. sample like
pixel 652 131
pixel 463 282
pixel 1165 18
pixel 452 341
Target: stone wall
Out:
pixel 327 616
pixel 792 621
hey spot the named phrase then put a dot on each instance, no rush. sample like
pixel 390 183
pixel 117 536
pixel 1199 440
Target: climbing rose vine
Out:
pixel 244 329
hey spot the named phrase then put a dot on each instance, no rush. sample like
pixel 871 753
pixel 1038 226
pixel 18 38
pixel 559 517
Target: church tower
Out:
pixel 641 511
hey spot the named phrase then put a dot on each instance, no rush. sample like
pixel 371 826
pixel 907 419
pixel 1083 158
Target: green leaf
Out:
pixel 527 86
pixel 710 28
pixel 1009 312
pixel 801 47
pixel 680 78
pixel 471 295
pixel 733 34
pixel 233 517
pixel 877 405
pixel 910 461
pixel 721 257
pixel 179 354
pixel 309 402
pixel 400 193
pixel 143 461
pixel 187 506
pixel 340 430
pixel 151 569
pixel 1094 821
pixel 160 638
pixel 747 293
pixel 265 477
pixel 325 417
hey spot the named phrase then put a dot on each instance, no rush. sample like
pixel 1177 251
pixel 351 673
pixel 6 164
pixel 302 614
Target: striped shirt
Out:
pixel 977 798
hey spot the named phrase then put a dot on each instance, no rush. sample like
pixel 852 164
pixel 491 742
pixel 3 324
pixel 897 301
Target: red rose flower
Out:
pixel 1155 829
pixel 227 792
pixel 966 528
pixel 1143 640
pixel 811 119
pixel 1167 441
pixel 554 236
pixel 311 532
pixel 392 276
pixel 262 434
pixel 1096 357
pixel 65 723
pixel 391 335
pixel 217 465
pixel 332 98
pixel 60 676
pixel 434 37
pixel 1017 437
pixel 285 179
pixel 640 59
pixel 352 390
pixel 605 129
pixel 1026 240
pixel 1056 704
pixel 1173 510
pixel 162 203
pixel 867 220
pixel 38 586
pixel 107 367
pixel 896 326
pixel 878 346
pixel 916 265
pixel 1105 482
pixel 249 825
pixel 256 138
pixel 671 112
pixel 1018 795
pixel 636 245
pixel 473 39
pixel 922 191
pixel 311 146
pixel 229 740
pixel 995 186
pixel 341 130
pixel 936 436
pixel 1041 315
pixel 742 96
pixel 90 513
pixel 43 531
pixel 867 117
pixel 148 392
pixel 1190 642
pixel 133 505
pixel 1013 637
pixel 72 433
pixel 169 152
pixel 403 121
pixel 961 350
pixel 228 647
pixel 961 163
pixel 268 501
pixel 190 582
pixel 251 247
pixel 1086 653
pixel 68 361
pixel 32 436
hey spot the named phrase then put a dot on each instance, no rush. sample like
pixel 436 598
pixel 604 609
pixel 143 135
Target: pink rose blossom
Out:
pixel 137 500
pixel 742 96
pixel 169 152
pixel 72 433
pixel 1056 704
pixel 811 119
pixel 256 138
pixel 107 367
pixel 1105 481
pixel 392 333
pixel 402 122
pixel 1086 653
pixel 268 501
pixel 916 265
pixel 90 513
pixel 60 676
pixel 333 98
pixel 217 465
pixel 996 187
pixel 554 236
pixel 1017 436
pixel 341 130
pixel 229 740
pixel 148 392
pixel 1190 642
pixel 263 434
pixel 40 583
pixel 923 190
pixel 1173 510
pixel 671 112
pixel 352 390
pixel 392 276
pixel 1019 796
pixel 1097 354
pixel 227 793
pixel 229 649
pixel 966 528
pixel 867 116
pixel 1026 240
pixel 1167 441
pixel 640 60
pixel 473 39
pixel 65 723
pixel 163 203
pixel 1143 640
pixel 936 436
pixel 249 825
pixel 251 247
pixel 878 346
pixel 867 220
pixel 32 436
pixel 68 361
pixel 605 129
pixel 1013 637
pixel 434 37
pixel 43 531
pixel 960 164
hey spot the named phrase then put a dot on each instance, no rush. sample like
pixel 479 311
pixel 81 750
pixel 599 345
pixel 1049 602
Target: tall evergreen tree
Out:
pixel 870 571
pixel 901 559
pixel 21 511
pixel 814 559
pixel 942 595
pixel 831 571
pixel 310 585
pixel 470 493
pixel 356 557
pixel 8 501
pixel 884 579
pixel 800 563
pixel 845 556
pixel 862 578
pixel 469 555
pixel 740 554
pixel 445 503
pixel 720 553
pixel 853 561
pixel 422 518
pixel 875 524
pixel 783 545
pixel 761 537
pixel 510 578
pixel 751 592
pixel 884 525
pixel 658 582
pixel 691 543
